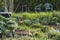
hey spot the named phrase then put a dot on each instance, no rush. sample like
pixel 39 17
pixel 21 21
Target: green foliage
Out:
pixel 38 25
pixel 23 27
pixel 7 24
pixel 47 18
pixel 54 34
pixel 34 22
pixel 58 37
pixel 41 35
pixel 45 29
pixel 43 17
pixel 27 22
pixel 11 25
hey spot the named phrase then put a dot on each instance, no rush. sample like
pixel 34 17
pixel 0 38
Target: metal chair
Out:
pixel 38 7
pixel 48 6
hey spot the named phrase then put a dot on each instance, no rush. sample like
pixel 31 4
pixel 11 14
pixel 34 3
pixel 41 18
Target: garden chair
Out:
pixel 48 6
pixel 38 7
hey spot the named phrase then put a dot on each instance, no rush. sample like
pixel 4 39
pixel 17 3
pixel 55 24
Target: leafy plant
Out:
pixel 27 22
pixel 46 29
pixel 40 35
pixel 38 25
pixel 6 24
pixel 54 34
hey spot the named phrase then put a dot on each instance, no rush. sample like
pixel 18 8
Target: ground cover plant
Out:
pixel 43 24
pixel 7 25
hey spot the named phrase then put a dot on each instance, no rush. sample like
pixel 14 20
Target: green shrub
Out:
pixel 7 24
pixel 54 20
pixel 58 37
pixel 27 22
pixel 38 25
pixel 46 29
pixel 23 27
pixel 35 21
pixel 28 16
pixel 43 17
pixel 41 35
pixel 54 34
pixel 44 21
